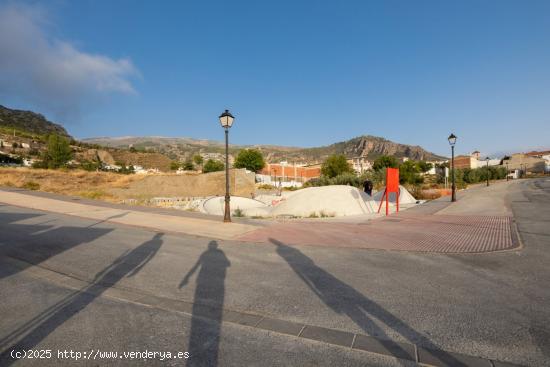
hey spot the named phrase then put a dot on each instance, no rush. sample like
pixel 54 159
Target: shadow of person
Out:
pixel 344 299
pixel 39 327
pixel 204 336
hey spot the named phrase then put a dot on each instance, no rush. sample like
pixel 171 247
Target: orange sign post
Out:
pixel 392 185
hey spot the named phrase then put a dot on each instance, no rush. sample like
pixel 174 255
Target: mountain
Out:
pixel 28 123
pixel 369 146
pixel 182 148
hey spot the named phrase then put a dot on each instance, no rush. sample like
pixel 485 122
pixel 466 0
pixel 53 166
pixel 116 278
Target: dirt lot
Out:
pixel 117 187
pixel 94 185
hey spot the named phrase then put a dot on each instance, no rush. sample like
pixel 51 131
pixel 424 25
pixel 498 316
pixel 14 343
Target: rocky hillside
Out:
pixel 28 123
pixel 362 146
pixel 182 148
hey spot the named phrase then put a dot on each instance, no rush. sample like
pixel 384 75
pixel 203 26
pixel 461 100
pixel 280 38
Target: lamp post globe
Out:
pixel 226 120
pixel 452 142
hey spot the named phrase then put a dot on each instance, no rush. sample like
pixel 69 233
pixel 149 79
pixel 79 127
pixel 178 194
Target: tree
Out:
pixel 58 152
pixel 409 172
pixel 335 165
pixel 424 166
pixel 385 161
pixel 251 159
pixel 212 166
pixel 198 160
pixel 174 166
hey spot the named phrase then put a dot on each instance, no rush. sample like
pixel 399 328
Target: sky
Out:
pixel 295 73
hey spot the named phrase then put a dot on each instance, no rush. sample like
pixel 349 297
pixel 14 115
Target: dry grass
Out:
pixel 94 185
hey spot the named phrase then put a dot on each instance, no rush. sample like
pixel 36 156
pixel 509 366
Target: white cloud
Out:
pixel 50 72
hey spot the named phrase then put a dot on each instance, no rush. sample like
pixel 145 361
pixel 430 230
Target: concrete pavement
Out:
pixel 198 225
pixel 493 306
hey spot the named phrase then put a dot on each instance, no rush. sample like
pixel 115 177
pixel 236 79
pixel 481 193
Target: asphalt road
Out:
pixel 59 278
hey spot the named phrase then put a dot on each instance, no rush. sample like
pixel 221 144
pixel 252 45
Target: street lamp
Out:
pixel 226 120
pixel 487 160
pixel 452 142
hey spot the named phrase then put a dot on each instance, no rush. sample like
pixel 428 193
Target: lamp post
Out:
pixel 452 142
pixel 487 160
pixel 226 120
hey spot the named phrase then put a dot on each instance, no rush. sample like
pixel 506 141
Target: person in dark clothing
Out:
pixel 367 186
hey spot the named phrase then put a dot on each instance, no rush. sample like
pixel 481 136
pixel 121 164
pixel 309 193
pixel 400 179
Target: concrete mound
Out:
pixel 405 196
pixel 334 200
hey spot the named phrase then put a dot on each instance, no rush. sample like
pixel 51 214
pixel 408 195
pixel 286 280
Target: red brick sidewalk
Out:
pixel 422 233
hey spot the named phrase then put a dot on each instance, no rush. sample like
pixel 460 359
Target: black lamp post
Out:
pixel 452 142
pixel 226 119
pixel 487 160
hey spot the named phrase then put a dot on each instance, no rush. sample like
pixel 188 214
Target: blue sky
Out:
pixel 300 73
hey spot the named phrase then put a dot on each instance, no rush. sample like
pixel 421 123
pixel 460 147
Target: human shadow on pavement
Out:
pixel 38 328
pixel 344 299
pixel 35 243
pixel 207 313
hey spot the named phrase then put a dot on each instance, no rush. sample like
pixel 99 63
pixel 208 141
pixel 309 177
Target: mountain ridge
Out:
pixel 29 122
pixel 362 146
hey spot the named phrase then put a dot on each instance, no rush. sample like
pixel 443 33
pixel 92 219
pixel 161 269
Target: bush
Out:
pixel 188 166
pixel 213 166
pixel 31 185
pixel 198 160
pixel 409 172
pixel 266 187
pixel 174 166
pixel 343 179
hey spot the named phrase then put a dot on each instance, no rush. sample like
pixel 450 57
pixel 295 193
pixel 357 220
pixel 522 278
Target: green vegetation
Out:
pixel 385 161
pixel 31 185
pixel 476 175
pixel 6 159
pixel 213 166
pixel 188 166
pixel 90 165
pixel 198 160
pixel 57 154
pixel 251 159
pixel 238 213
pixel 335 165
pixel 174 166
pixel 409 172
pixel 343 179
pixel 126 169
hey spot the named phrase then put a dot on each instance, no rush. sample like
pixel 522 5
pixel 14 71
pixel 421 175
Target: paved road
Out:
pixel 85 285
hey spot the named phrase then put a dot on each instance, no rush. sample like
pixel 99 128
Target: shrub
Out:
pixel 31 185
pixel 213 166
pixel 188 166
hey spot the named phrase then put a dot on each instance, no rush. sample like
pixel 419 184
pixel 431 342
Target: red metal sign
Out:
pixel 392 185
